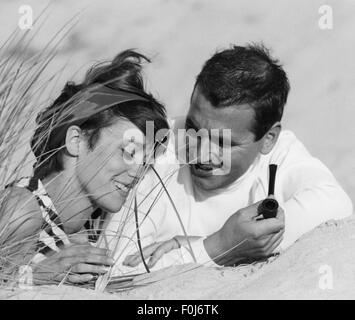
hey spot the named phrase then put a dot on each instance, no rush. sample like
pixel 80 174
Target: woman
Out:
pixel 89 156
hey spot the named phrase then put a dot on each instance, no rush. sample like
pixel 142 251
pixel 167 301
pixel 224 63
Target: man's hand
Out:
pixel 76 263
pixel 245 236
pixel 156 250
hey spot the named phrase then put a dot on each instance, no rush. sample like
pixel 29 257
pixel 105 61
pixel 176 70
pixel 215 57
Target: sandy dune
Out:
pixel 296 274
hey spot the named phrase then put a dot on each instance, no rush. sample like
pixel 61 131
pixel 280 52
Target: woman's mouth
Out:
pixel 121 187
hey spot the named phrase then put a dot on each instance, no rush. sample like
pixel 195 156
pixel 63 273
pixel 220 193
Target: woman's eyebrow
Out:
pixel 137 142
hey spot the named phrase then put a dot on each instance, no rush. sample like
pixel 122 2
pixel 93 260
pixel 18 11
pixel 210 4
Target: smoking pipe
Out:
pixel 268 208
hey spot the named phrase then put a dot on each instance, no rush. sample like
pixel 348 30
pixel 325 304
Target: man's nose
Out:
pixel 209 153
pixel 205 150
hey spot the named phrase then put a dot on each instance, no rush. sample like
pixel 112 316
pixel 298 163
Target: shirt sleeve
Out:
pixel 313 196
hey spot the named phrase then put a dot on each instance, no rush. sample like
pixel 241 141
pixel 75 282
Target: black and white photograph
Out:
pixel 177 150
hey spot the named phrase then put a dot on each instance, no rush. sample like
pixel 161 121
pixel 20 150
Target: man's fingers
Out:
pixel 89 268
pixel 270 243
pixel 263 245
pixel 148 250
pixel 252 210
pixel 269 238
pixel 160 251
pixel 268 226
pixel 265 251
pixel 155 251
pixel 275 238
pixel 275 245
pixel 280 214
pixel 132 260
pixel 135 259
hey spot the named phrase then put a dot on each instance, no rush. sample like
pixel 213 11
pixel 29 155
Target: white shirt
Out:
pixel 305 189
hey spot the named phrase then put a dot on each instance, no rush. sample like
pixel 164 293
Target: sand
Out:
pixel 298 273
pixel 180 36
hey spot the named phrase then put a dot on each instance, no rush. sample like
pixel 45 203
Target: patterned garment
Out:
pixel 52 236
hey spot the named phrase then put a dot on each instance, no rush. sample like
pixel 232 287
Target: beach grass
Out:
pixel 23 93
pixel 23 89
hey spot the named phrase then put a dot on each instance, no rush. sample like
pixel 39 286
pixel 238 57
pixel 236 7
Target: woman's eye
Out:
pixel 128 153
pixel 132 152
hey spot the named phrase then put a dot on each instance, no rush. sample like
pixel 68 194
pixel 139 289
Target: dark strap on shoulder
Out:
pixel 33 184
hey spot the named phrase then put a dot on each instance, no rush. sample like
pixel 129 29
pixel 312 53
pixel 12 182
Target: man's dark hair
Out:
pixel 246 75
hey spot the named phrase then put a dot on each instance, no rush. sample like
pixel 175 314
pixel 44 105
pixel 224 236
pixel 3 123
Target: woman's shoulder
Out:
pixel 20 213
pixel 17 195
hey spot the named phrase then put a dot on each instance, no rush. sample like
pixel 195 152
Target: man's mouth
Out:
pixel 202 169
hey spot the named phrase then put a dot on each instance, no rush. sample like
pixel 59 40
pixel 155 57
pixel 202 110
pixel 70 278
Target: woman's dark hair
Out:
pixel 246 75
pixel 122 73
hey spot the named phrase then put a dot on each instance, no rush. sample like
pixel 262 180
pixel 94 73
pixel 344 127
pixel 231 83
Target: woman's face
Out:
pixel 109 170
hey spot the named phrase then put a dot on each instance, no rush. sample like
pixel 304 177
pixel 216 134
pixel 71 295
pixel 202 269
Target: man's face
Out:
pixel 243 148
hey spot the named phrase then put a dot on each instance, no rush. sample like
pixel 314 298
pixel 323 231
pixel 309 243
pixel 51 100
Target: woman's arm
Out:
pixel 20 224
pixel 20 217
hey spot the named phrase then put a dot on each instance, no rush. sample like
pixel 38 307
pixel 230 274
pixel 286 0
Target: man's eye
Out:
pixel 224 144
pixel 189 124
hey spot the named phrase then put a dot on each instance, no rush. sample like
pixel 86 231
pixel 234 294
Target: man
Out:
pixel 243 90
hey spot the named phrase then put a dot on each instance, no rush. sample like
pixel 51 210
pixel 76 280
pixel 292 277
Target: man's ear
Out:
pixel 270 138
pixel 72 140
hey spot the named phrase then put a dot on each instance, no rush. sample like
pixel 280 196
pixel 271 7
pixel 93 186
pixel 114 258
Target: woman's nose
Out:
pixel 133 169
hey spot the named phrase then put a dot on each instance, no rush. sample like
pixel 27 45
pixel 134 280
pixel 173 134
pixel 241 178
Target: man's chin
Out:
pixel 210 181
pixel 205 182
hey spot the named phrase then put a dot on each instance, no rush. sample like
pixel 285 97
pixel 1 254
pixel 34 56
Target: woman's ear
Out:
pixel 72 140
pixel 270 138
